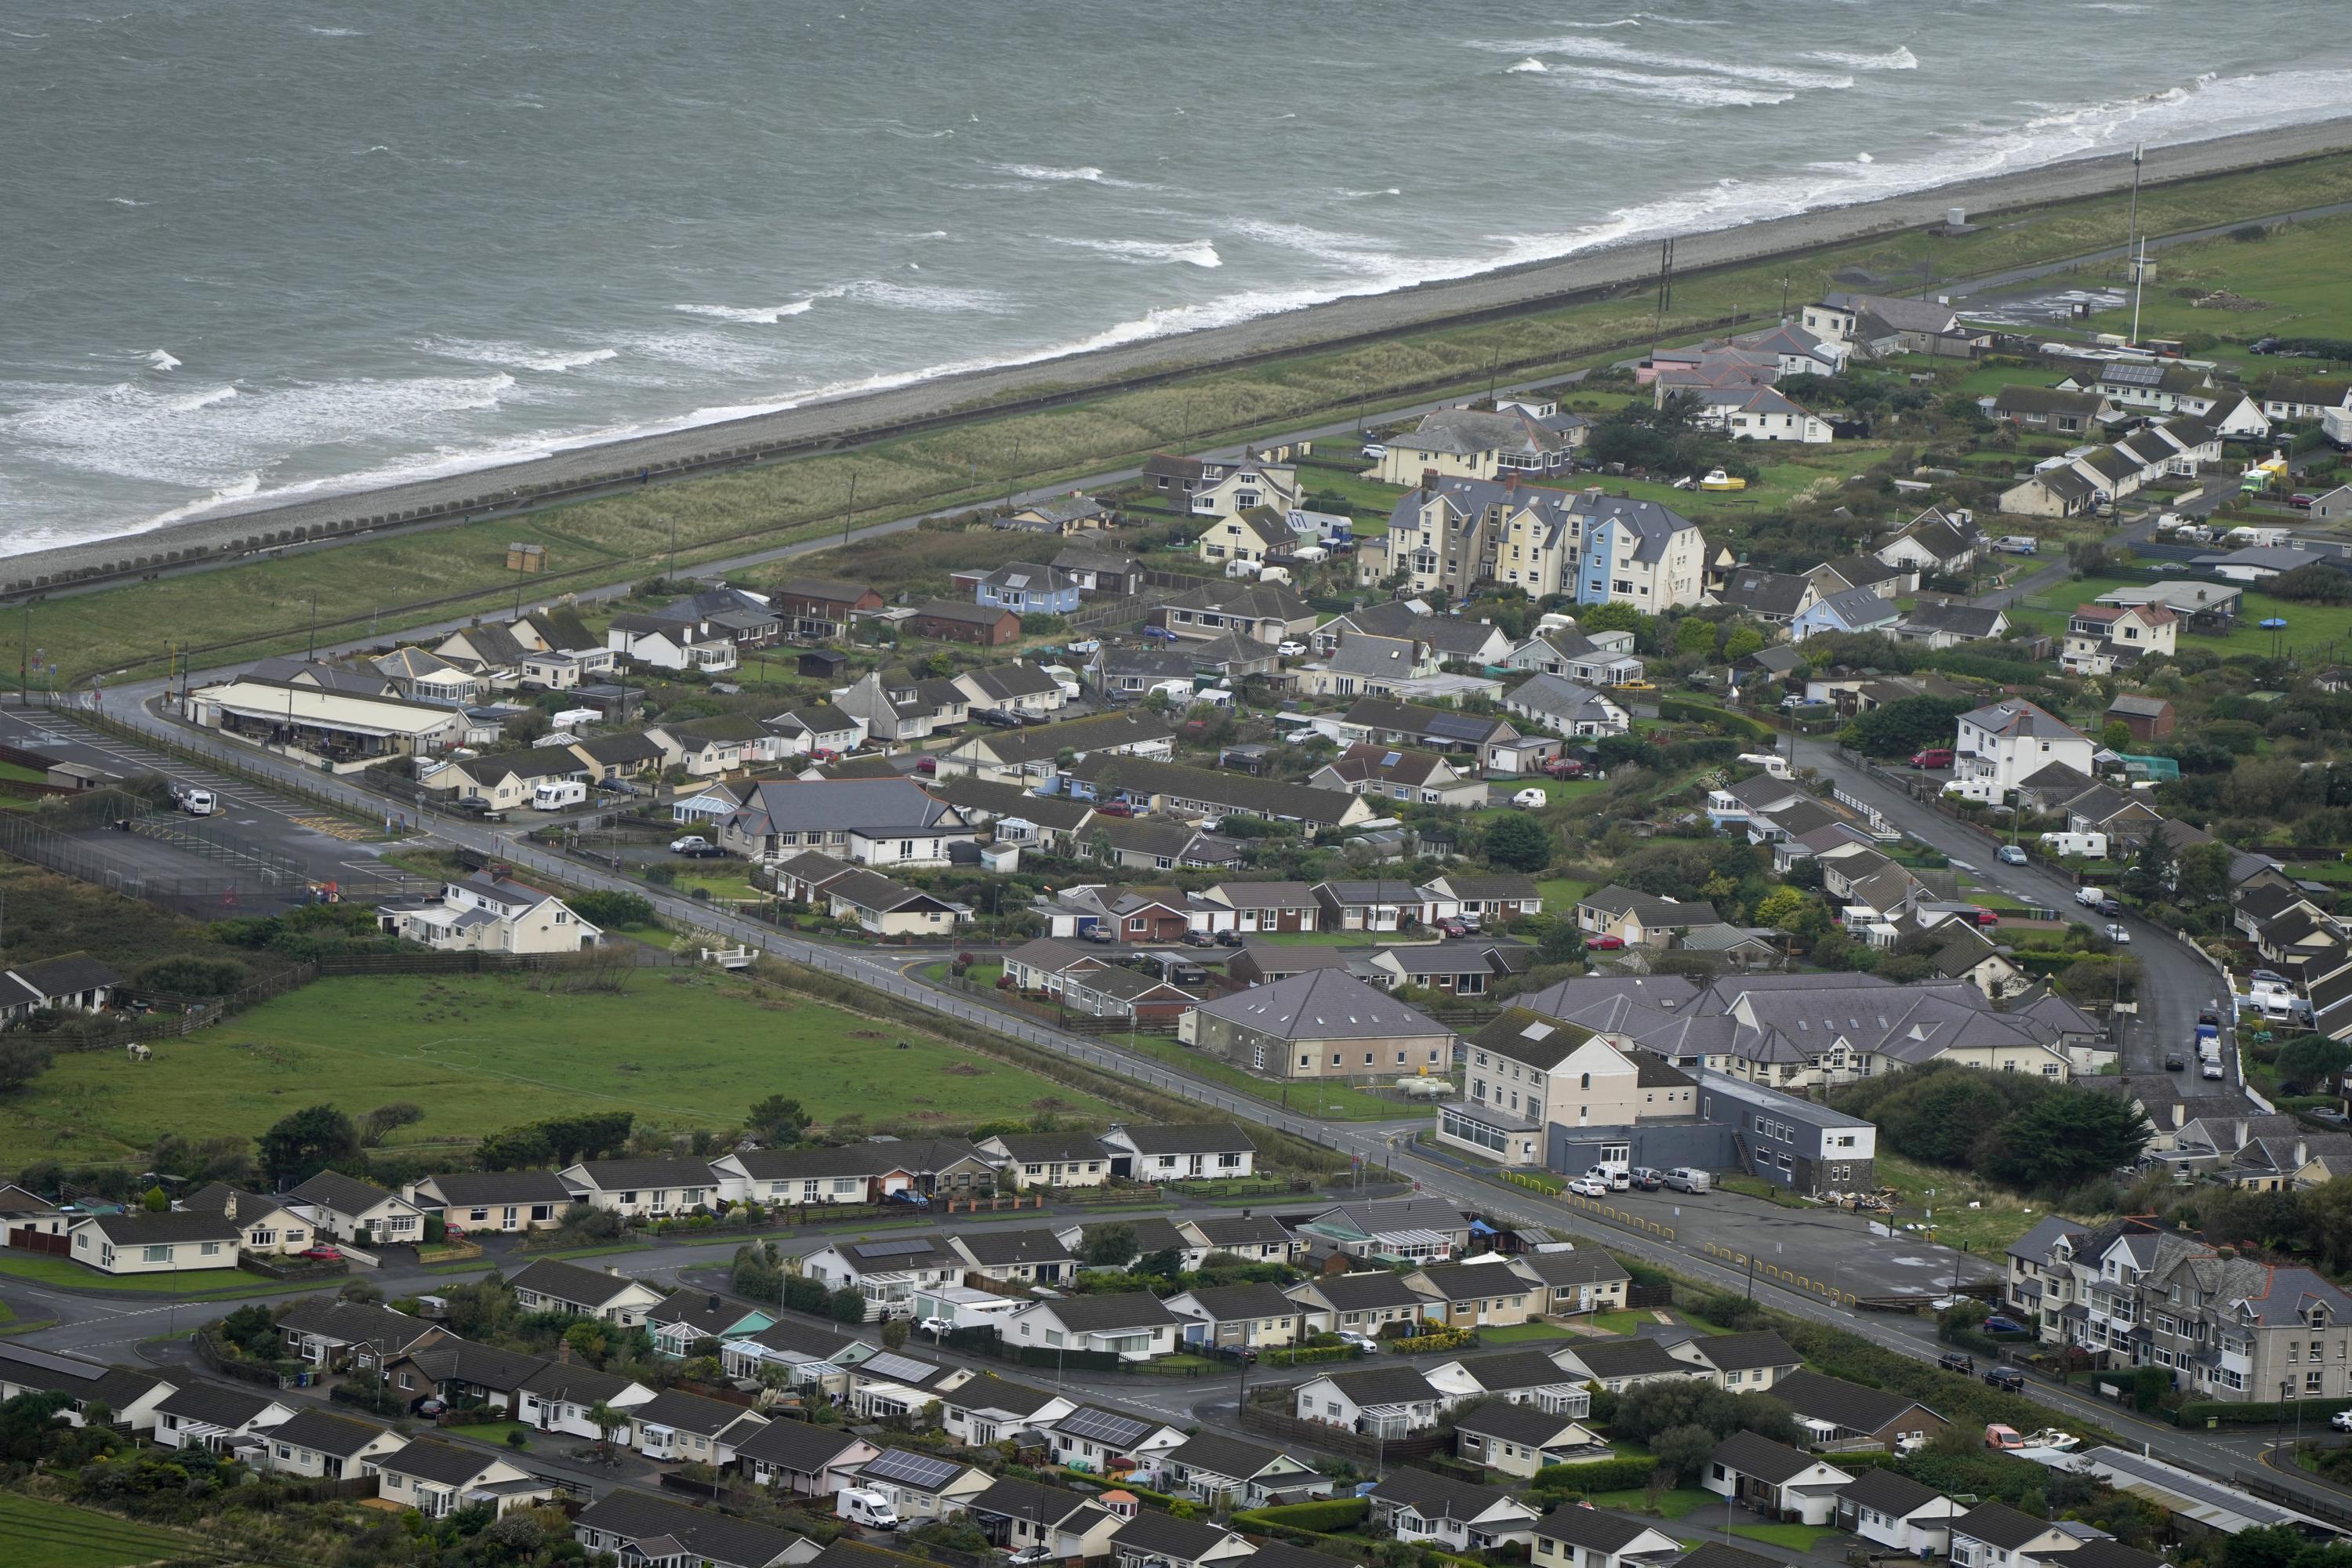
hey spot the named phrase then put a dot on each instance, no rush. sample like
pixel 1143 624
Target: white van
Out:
pixel 2089 898
pixel 193 801
pixel 555 795
pixel 870 1508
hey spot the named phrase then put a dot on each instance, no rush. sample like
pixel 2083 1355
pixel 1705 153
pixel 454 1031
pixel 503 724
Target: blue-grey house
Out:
pixel 1848 610
pixel 1026 588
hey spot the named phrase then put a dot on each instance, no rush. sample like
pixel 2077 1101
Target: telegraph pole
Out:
pixel 2133 244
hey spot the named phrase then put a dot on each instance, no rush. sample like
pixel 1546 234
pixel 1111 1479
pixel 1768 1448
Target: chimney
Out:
pixel 1428 481
pixel 713 1304
pixel 564 1351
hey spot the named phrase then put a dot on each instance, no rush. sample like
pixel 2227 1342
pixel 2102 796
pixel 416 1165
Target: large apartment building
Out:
pixel 1449 535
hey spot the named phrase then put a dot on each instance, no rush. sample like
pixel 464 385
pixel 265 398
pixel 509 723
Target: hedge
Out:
pixel 1325 1516
pixel 1722 719
pixel 1307 1355
pixel 2197 1412
pixel 1599 1475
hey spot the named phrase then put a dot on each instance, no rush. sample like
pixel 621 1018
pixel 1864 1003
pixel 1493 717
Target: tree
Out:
pixel 1743 641
pixel 2307 1063
pixel 1683 1452
pixel 894 1334
pixel 1694 635
pixel 846 1305
pixel 776 1121
pixel 2066 1136
pixel 2203 875
pixel 1784 908
pixel 21 1061
pixel 1903 727
pixel 2152 870
pixel 1612 617
pixel 2116 736
pixel 385 1120
pixel 305 1144
pixel 1110 1246
pixel 1519 843
pixel 157 1201
pixel 2328 1219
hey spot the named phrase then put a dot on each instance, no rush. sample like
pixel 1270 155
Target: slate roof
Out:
pixel 1188 1138
pixel 1582 1267
pixel 327 1433
pixel 1323 1004
pixel 1384 1385
pixel 799 1446
pixel 1003 1249
pixel 569 1282
pixel 137 1227
pixel 1745 1352
pixel 706 1535
pixel 1152 1534
pixel 216 1404
pixel 1222 1456
pixel 444 1463
pixel 1625 1358
pixel 1596 1530
pixel 1889 1492
pixel 1433 1496
pixel 479 1189
pixel 1231 1303
pixel 1753 1454
pixel 1110 1312
pixel 990 1392
pixel 1849 1405
pixel 1997 1524
pixel 1369 1289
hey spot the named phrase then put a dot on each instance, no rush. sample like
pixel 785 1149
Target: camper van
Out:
pixel 870 1508
pixel 556 794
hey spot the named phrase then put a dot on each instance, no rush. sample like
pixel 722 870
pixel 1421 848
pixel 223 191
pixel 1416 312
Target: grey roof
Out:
pixel 1040 743
pixel 1229 1303
pixel 1997 1524
pixel 578 1383
pixel 1764 592
pixel 1224 1232
pixel 1413 719
pixel 1747 1352
pixel 570 1282
pixel 1367 1289
pixel 1889 1491
pixel 990 1392
pixel 1153 1534
pixel 1582 1266
pixel 1110 1312
pixel 1324 1005
pixel 1188 1138
pixel 1960 620
pixel 214 1404
pixel 1222 790
pixel 1222 1455
pixel 707 1536
pixel 445 1464
pixel 327 1432
pixel 484 1366
pixel 138 1228
pixel 355 1323
pixel 1506 1371
pixel 868 806
pixel 673 1407
pixel 1559 697
pixel 977 796
pixel 1754 1455
pixel 1384 1385
pixel 1523 1036
pixel 1858 607
pixel 476 1189
pixel 627 1175
pixel 800 1445
pixel 1433 1496
pixel 1000 1248
pixel 1849 1405
pixel 1596 1530
pixel 1625 1358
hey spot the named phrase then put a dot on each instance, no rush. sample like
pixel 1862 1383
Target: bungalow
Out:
pixel 812 1358
pixel 922 1487
pixel 690 1428
pixel 213 1416
pixel 1227 1473
pixel 1202 795
pixel 1487 740
pixel 506 781
pixel 2049 409
pixel 887 1272
pixel 1063 515
pixel 1132 1325
pixel 464 1374
pixel 1389 1231
pixel 1599 659
pixel 882 908
pixel 1022 688
pixel 710 748
pixel 1906 1517
pixel 488 913
pixel 488 651
pixel 1455 1515
pixel 609 758
pixel 1374 906
pixel 1389 1401
pixel 1557 704
pixel 321 1445
pixel 641 1528
pixel 560 1395
pixel 492 1200
pixel 333 1335
pixel 1517 1377
pixel 1182 1152
pixel 1618 1364
pixel 1481 900
pixel 1849 610
pixel 1156 1539
pixel 870 821
pixel 1016 1514
pixel 1383 772
pixel 551 1285
pixel 1488 1292
pixel 1096 1438
pixel 267 1225
pixel 1324 1023
pixel 1580 1281
pixel 1520 1439
pixel 128 1396
pixel 822 609
pixel 1950 625
pixel 1026 588
pixel 437 1479
pixel 1577 1535
pixel 1265 906
pixel 1462 969
pixel 989 1407
pixel 1253 1237
pixel 1100 568
pixel 1141 844
pixel 693 644
pixel 1776 1480
pixel 647 1188
pixel 1995 1535
pixel 952 620
pixel 1365 1302
pixel 1741 1363
pixel 1031 755
pixel 138 1242
pixel 1039 1257
pixel 426 677
pixel 1255 1315
pixel 1048 1158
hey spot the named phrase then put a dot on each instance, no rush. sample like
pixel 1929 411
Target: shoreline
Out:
pixel 997 391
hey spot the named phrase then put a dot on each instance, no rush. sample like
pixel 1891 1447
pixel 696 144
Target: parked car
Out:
pixel 1648 1180
pixel 1197 939
pixel 1933 757
pixel 2003 1436
pixel 1237 1352
pixel 475 806
pixel 1150 634
pixel 1615 1178
pixel 701 850
pixel 2011 855
pixel 1101 933
pixel 1375 450
pixel 322 1255
pixel 2341 1421
pixel 1604 943
pixel 1997 1324
pixel 2176 1064
pixel 2209 1070
pixel 1530 799
pixel 1290 647
pixel 1564 768
pixel 1115 808
pixel 2119 935
pixel 2110 907
pixel 1029 1554
pixel 1229 939
pixel 2301 500
pixel 1452 928
pixel 427 1407
pixel 927 766
pixel 1688 1179
pixel 907 1196
pixel 1363 1342
pixel 1589 1187
pixel 938 1328
pixel 996 717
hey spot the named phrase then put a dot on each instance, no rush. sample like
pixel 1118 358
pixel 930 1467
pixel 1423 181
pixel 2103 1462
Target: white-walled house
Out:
pixel 322 1445
pixel 1998 747
pixel 651 1188
pixel 213 1415
pixel 437 1479
pixel 1132 1325
pixel 489 913
pixel 138 1242
pixel 1776 1480
pixel 1894 1512
pixel 551 1285
pixel 1183 1152
pixel 1454 1515
pixel 345 1209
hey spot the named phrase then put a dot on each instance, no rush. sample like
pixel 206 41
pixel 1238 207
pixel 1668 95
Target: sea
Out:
pixel 259 250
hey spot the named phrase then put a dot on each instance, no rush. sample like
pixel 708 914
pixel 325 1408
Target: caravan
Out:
pixel 555 794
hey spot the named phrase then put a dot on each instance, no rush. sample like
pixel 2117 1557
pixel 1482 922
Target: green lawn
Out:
pixel 1988 1229
pixel 2295 276
pixel 495 1432
pixel 2308 626
pixel 2322 870
pixel 34 1534
pixel 1334 939
pixel 1789 1537
pixel 186 1284
pixel 1522 1333
pixel 682 1049
pixel 1330 1102
pixel 1561 894
pixel 723 881
pixel 1676 1502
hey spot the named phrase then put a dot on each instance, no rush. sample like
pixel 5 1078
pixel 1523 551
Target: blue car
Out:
pixel 1998 1325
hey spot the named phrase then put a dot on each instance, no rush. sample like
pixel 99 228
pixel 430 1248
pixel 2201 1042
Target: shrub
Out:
pixel 1325 1516
pixel 190 976
pixel 1601 1476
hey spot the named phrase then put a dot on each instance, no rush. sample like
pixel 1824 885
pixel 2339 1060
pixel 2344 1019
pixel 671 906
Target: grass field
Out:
pixel 681 1048
pixel 2308 626
pixel 1522 1333
pixel 34 1534
pixel 1788 1537
pixel 1331 1101
pixel 266 605
pixel 1998 1220
pixel 1678 1502
pixel 2295 278
pixel 1561 893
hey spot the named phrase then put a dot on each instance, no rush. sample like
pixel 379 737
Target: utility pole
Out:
pixel 2133 243
pixel 314 626
pixel 24 662
pixel 673 548
pixel 850 510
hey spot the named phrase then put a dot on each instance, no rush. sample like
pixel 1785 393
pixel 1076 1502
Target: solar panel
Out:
pixel 1454 728
pixel 897 1367
pixel 926 1471
pixel 70 1366
pixel 1102 1425
pixel 904 1247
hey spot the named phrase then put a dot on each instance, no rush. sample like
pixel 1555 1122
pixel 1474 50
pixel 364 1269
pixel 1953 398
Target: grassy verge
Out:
pixel 188 1285
pixel 1522 1333
pixel 264 605
pixel 1677 1502
pixel 1788 1537
pixel 1334 1102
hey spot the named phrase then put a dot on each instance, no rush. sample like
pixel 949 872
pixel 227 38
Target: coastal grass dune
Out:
pixel 379 586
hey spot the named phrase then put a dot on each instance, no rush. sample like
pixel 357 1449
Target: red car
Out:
pixel 1454 928
pixel 1986 918
pixel 322 1255
pixel 928 767
pixel 1115 808
pixel 1604 943
pixel 2301 500
pixel 1933 757
pixel 1564 768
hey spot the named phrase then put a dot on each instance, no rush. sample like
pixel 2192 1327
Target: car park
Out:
pixel 2011 855
pixel 1616 1178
